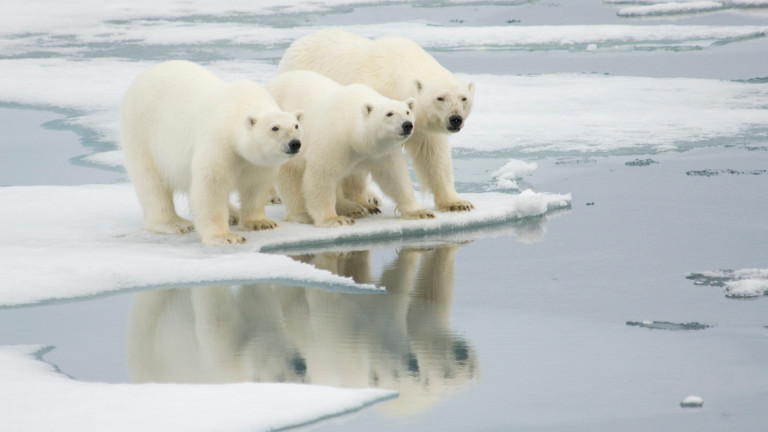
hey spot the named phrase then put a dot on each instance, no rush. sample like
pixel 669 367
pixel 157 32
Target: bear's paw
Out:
pixel 228 238
pixel 179 226
pixel 258 225
pixel 456 206
pixel 335 221
pixel 419 214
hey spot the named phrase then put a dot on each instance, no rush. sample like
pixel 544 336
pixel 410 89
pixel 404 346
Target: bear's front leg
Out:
pixel 254 187
pixel 391 173
pixel 319 188
pixel 209 200
pixel 431 157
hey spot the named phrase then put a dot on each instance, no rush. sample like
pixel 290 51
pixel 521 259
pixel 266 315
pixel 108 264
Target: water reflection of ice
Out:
pixel 401 339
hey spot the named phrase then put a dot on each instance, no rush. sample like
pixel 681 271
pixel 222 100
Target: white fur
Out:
pixel 397 68
pixel 348 132
pixel 183 129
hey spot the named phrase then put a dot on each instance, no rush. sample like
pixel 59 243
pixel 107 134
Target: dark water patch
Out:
pixel 666 325
pixel 641 162
pixel 713 172
pixel 717 280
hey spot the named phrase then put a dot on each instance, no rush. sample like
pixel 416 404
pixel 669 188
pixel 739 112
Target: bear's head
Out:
pixel 270 138
pixel 387 123
pixel 441 107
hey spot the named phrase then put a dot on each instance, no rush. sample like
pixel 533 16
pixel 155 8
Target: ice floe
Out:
pixel 61 242
pixel 34 396
pixel 645 8
pixel 743 283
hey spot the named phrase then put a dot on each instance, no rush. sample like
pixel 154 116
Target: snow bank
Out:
pixel 61 242
pixel 34 397
pixel 506 176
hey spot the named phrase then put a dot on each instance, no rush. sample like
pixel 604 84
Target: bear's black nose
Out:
pixel 294 145
pixel 407 127
pixel 455 120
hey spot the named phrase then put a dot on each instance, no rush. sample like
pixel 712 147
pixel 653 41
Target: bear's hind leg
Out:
pixel 156 198
pixel 354 187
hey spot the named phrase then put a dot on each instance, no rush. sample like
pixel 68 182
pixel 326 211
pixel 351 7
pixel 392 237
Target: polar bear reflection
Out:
pixel 270 333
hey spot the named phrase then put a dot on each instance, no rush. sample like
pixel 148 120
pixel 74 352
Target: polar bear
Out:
pixel 347 131
pixel 184 129
pixel 398 68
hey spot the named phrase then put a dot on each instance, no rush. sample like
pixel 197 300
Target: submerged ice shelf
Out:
pixel 37 397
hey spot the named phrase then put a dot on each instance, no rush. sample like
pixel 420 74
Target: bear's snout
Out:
pixel 293 146
pixel 455 122
pixel 407 127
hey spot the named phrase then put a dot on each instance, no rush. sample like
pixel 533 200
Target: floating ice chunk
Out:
pixel 35 398
pixel 671 8
pixel 742 283
pixel 746 288
pixel 692 402
pixel 505 177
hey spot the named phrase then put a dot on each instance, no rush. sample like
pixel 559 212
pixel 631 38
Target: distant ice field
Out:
pixel 80 59
pixel 530 115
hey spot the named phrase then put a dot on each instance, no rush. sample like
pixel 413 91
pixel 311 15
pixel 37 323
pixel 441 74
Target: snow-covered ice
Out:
pixel 742 283
pixel 513 115
pixel 34 396
pixel 59 242
pixel 506 177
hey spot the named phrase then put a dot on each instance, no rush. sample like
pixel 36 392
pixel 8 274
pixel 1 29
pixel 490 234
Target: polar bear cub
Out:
pixel 398 68
pixel 184 129
pixel 347 131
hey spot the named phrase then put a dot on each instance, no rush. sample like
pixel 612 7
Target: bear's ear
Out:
pixel 419 85
pixel 367 108
pixel 250 121
pixel 411 102
pixel 298 114
pixel 471 87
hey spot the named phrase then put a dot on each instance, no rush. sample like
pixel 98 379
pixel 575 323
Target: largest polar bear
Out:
pixel 184 129
pixel 398 68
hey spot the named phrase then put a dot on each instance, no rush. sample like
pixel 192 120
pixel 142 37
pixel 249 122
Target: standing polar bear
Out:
pixel 398 68
pixel 183 129
pixel 347 131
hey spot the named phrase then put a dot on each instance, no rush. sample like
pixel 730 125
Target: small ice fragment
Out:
pixel 592 47
pixel 692 402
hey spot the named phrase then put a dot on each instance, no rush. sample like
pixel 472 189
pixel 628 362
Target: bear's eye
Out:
pixel 295 126
pixel 441 98
pixel 407 113
pixel 275 128
pixel 390 114
pixel 463 99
